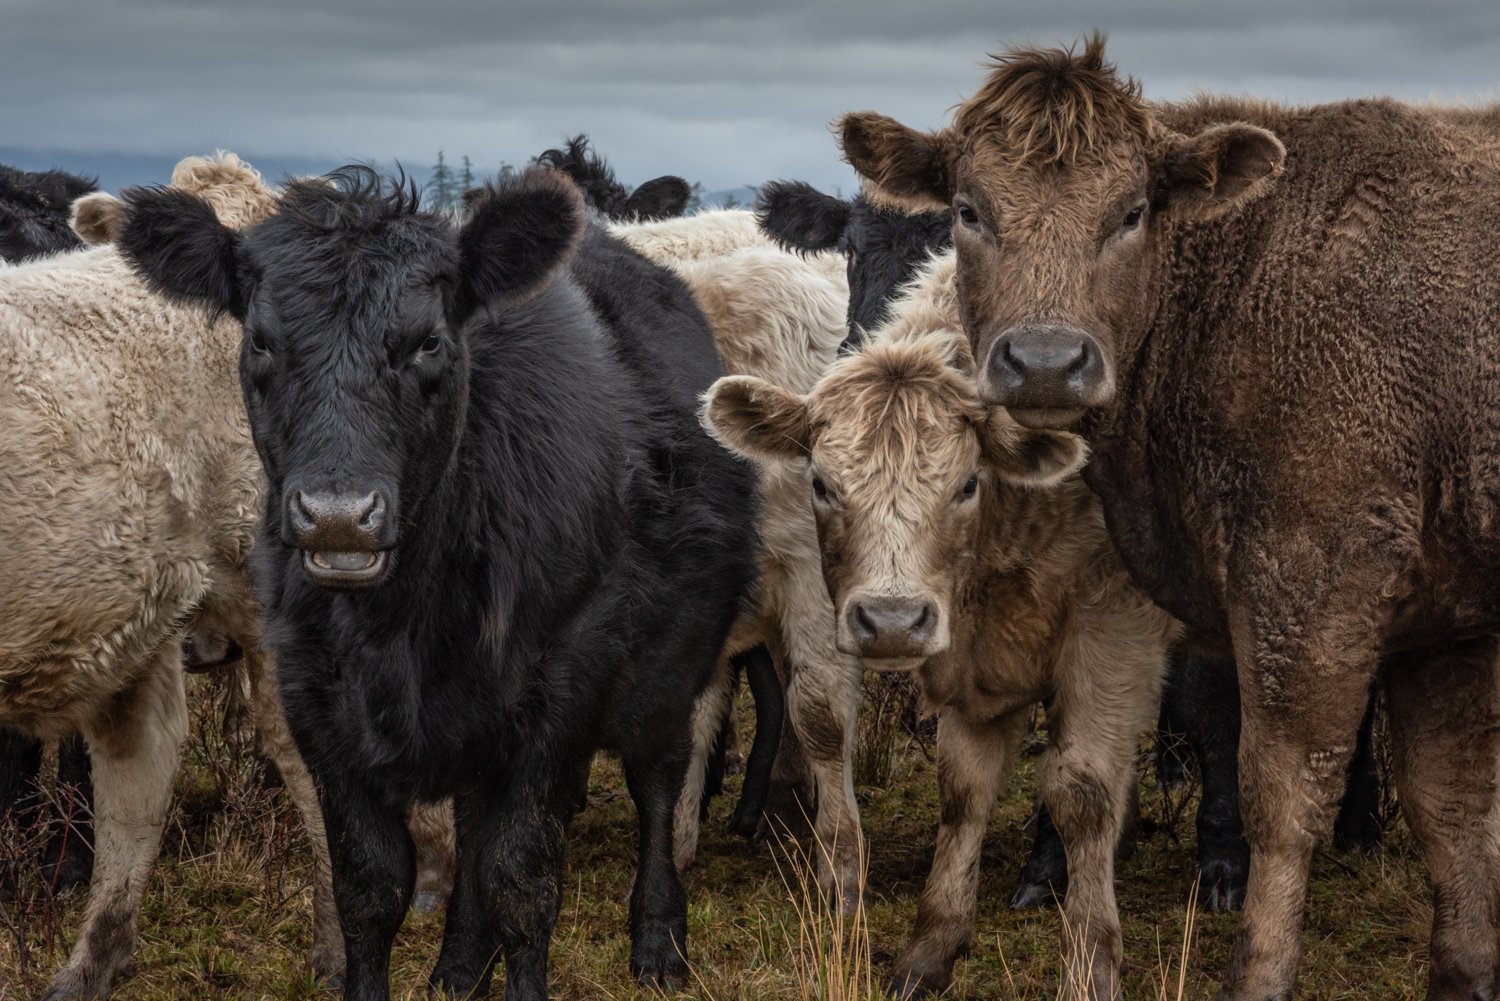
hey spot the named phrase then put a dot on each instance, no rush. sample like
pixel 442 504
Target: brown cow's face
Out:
pixel 898 454
pixel 1052 261
pixel 1059 176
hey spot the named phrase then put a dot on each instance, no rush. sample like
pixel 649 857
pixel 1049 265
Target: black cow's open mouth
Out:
pixel 345 571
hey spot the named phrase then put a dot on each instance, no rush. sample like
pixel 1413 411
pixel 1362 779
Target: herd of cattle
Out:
pixel 1119 407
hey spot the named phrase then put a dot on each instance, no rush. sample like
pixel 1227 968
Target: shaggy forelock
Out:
pixel 353 197
pixel 1055 105
pixel 592 175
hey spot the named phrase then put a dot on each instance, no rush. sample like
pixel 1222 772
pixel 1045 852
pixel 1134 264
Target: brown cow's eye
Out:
pixel 967 215
pixel 1133 217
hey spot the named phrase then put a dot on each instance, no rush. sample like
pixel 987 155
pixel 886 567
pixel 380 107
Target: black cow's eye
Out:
pixel 1133 217
pixel 432 343
pixel 967 215
pixel 258 343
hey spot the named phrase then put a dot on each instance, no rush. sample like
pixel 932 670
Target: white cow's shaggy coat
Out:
pixel 131 490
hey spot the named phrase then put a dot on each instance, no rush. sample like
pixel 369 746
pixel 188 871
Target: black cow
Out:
pixel 1201 704
pixel 34 207
pixel 884 247
pixel 664 197
pixel 495 538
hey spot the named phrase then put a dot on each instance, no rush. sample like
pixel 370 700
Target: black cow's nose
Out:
pixel 337 522
pixel 1051 367
pixel 892 627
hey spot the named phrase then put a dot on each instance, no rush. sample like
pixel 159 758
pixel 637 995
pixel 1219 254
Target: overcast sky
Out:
pixel 725 93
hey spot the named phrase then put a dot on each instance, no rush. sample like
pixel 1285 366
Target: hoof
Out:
pixel 74 871
pixel 656 959
pixel 910 985
pixel 457 987
pixel 1031 895
pixel 748 827
pixel 1221 886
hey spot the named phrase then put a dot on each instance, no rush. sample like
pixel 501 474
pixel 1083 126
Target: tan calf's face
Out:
pixel 898 455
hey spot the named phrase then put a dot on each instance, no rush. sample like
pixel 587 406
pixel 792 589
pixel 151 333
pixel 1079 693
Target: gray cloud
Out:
pixel 727 93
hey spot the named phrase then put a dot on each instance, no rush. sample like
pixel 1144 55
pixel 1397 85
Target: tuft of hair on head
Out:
pixel 235 191
pixel 356 196
pixel 1056 105
pixel 801 218
pixel 98 217
pixel 589 171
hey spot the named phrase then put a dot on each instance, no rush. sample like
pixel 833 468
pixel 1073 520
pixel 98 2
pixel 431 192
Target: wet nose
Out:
pixel 1045 367
pixel 337 522
pixel 892 627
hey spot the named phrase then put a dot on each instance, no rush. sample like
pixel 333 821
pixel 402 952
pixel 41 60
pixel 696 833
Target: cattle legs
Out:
pixel 1446 732
pixel 134 747
pixel 974 760
pixel 374 867
pixel 658 904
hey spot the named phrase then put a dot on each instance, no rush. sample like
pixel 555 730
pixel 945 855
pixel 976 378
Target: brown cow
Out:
pixel 1294 407
pixel 960 547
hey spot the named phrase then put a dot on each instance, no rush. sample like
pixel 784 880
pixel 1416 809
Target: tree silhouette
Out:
pixel 442 185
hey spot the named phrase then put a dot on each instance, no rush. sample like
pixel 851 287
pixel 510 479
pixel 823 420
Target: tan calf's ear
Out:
pixel 753 418
pixel 1027 457
pixel 1207 174
pixel 98 217
pixel 905 168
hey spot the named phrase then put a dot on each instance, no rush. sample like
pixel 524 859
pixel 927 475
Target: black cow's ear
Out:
pixel 664 197
pixel 174 241
pixel 800 217
pixel 1207 174
pixel 517 236
pixel 907 169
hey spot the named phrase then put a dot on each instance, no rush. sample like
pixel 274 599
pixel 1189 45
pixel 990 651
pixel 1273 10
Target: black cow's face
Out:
pixel 883 247
pixel 34 212
pixel 355 357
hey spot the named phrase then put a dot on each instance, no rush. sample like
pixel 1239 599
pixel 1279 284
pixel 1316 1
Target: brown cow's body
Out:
pixel 1294 406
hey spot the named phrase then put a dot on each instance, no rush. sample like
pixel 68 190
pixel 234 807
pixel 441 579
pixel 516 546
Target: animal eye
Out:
pixel 432 343
pixel 820 489
pixel 1133 217
pixel 967 215
pixel 258 343
pixel 970 488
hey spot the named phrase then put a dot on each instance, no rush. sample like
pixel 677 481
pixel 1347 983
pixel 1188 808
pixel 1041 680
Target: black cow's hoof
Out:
pixel 657 961
pixel 1171 768
pixel 1361 837
pixel 1221 885
pixel 746 826
pixel 1031 894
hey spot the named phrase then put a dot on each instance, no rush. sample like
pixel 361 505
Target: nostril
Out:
pixel 374 511
pixel 1080 358
pixel 919 625
pixel 1011 359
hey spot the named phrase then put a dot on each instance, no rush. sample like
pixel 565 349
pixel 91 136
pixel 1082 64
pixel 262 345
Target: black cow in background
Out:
pixel 1201 704
pixel 664 197
pixel 34 209
pixel 496 537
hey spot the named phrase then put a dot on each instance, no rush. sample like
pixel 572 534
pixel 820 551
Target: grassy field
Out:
pixel 226 913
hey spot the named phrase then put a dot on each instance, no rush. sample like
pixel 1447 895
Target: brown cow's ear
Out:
pixel 755 419
pixel 1221 167
pixel 1027 457
pixel 907 169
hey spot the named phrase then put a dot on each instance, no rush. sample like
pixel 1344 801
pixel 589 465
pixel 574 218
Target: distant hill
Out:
pixel 742 197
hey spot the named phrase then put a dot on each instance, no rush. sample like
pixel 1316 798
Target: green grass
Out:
pixel 227 911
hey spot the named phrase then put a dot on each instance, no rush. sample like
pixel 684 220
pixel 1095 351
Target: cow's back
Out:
pixel 130 480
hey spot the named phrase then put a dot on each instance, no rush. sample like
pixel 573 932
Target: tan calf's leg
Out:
pixel 708 712
pixel 1446 731
pixel 974 760
pixel 134 750
pixel 1107 695
pixel 327 955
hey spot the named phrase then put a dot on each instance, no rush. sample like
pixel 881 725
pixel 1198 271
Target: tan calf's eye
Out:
pixel 820 489
pixel 970 488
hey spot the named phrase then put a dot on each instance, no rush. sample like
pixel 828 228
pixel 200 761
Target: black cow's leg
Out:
pixel 1358 827
pixel 1206 704
pixel 1172 746
pixel 470 945
pixel 1044 877
pixel 770 714
pixel 20 762
pixel 374 868
pixel 658 904
pixel 69 859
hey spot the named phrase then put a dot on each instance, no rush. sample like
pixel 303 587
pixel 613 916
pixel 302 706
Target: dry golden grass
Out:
pixel 226 913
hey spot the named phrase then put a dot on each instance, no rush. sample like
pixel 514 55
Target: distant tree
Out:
pixel 442 185
pixel 695 198
pixel 731 202
pixel 466 179
pixel 506 169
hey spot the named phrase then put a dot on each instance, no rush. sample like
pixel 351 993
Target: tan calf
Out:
pixel 963 548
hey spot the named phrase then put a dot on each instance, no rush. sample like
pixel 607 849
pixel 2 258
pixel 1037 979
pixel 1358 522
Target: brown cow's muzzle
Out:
pixel 1046 375
pixel 906 628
